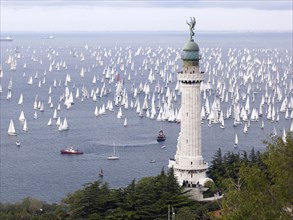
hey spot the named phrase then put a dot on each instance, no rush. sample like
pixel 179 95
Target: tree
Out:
pixel 279 162
pixel 263 189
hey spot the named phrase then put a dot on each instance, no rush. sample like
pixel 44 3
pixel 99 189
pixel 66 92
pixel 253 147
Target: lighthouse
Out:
pixel 188 164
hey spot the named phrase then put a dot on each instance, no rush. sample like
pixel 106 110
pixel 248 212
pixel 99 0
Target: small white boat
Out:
pixel 21 116
pixel 119 114
pixel 262 124
pixel 49 122
pixel 11 129
pixel 114 156
pixel 245 129
pixel 236 140
pixel 25 128
pixel 17 143
pixel 20 101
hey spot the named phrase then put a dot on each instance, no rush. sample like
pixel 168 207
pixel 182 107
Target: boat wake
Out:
pixel 126 144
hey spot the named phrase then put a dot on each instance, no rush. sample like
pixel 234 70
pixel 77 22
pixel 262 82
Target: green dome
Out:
pixel 190 46
pixel 190 52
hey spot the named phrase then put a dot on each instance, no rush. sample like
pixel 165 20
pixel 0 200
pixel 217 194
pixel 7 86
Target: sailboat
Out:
pixel 119 114
pixel 25 128
pixel 101 173
pixel 284 136
pixel 245 129
pixel 114 156
pixel 20 101
pixel 11 129
pixel 65 124
pixel 21 116
pixel 222 122
pixel 125 122
pixel 236 140
pixel 262 124
pixel 49 122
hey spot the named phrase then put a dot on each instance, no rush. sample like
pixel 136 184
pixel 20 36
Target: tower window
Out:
pixel 191 163
pixel 187 140
pixel 191 175
pixel 186 114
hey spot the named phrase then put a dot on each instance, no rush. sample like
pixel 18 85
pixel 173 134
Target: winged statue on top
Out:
pixel 191 25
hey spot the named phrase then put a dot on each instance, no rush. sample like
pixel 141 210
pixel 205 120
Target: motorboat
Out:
pixel 161 136
pixel 71 150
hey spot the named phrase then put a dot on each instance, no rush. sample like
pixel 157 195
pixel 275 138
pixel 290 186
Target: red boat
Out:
pixel 101 173
pixel 161 136
pixel 70 150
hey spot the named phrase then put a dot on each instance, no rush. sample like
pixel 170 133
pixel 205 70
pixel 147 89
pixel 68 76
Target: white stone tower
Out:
pixel 188 164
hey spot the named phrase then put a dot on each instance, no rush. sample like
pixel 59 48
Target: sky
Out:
pixel 148 15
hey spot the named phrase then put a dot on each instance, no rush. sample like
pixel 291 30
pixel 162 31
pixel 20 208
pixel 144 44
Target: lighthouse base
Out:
pixel 195 193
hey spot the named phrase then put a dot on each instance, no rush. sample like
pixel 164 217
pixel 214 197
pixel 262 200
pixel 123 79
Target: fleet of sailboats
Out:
pixel 266 97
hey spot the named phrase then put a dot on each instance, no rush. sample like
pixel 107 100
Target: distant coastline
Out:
pixel 45 33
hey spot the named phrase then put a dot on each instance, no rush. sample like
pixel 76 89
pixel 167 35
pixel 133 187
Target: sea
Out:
pixel 256 64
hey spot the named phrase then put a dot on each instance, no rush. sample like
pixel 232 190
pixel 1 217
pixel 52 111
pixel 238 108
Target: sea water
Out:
pixel 37 169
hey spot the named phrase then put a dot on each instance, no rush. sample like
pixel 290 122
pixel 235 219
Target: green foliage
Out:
pixel 93 198
pixel 212 189
pixel 263 189
pixel 147 199
pixel 30 208
pixel 185 213
pixel 223 167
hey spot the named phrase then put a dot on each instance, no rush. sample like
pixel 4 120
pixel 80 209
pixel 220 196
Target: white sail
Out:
pixel 222 122
pixel 58 122
pixel 55 116
pixel 236 140
pixel 245 129
pixel 21 116
pixel 25 128
pixel 82 72
pixel 42 108
pixel 20 101
pixel 65 124
pixel 284 136
pixel 119 114
pixel 96 111
pixel 9 95
pixel 125 122
pixel 60 128
pixel 35 115
pixel 49 122
pixel 77 93
pixel 111 106
pixel 11 129
pixel 30 81
pixel 291 127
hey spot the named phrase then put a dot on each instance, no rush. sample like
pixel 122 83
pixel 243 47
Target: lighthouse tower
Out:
pixel 188 163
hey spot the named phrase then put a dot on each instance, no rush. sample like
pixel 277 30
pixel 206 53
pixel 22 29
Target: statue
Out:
pixel 191 25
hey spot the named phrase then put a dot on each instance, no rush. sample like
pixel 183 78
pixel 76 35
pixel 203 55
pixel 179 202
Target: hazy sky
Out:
pixel 71 15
